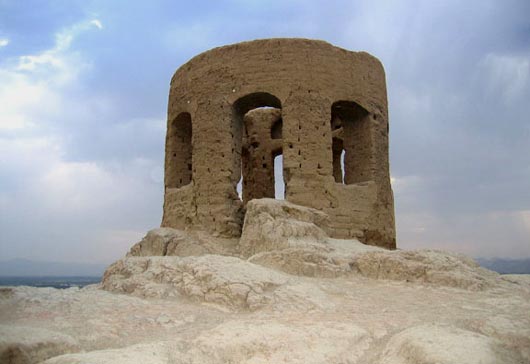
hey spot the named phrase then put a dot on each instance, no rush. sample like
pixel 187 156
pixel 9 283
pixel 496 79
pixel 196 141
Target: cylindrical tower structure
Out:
pixel 326 109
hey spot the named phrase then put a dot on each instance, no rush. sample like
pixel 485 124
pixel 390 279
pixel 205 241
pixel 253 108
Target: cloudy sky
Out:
pixel 83 97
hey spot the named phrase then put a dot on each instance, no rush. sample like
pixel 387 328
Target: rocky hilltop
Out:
pixel 284 292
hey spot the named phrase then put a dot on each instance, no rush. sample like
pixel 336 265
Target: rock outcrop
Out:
pixel 228 281
pixel 24 344
pixel 211 318
pixel 439 344
pixel 168 241
pixel 276 225
pixel 283 237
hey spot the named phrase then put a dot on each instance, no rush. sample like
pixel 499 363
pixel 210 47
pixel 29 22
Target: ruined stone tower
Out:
pixel 233 109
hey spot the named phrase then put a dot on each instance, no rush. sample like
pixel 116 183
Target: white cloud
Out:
pixel 404 183
pixel 97 23
pixel 64 38
pixel 77 210
pixel 59 65
pixel 4 42
pixel 524 215
pixel 32 87
pixel 64 201
pixel 505 75
pixel 22 97
pixel 73 186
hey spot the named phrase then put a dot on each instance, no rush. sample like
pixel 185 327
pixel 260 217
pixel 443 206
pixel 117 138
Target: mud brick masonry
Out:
pixel 233 109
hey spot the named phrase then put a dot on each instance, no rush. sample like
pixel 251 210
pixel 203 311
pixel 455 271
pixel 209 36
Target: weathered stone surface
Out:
pixel 156 353
pixel 521 280
pixel 335 258
pixel 276 342
pixel 28 345
pixel 228 281
pixel 287 237
pixel 156 242
pixel 274 225
pixel 350 319
pixel 438 344
pixel 426 266
pixel 174 242
pixel 305 100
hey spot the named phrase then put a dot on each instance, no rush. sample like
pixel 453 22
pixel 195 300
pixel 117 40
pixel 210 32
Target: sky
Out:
pixel 83 98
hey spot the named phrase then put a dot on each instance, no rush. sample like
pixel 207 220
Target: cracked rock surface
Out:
pixel 215 309
pixel 228 281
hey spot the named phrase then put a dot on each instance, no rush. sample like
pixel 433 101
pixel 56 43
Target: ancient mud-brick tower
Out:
pixel 233 109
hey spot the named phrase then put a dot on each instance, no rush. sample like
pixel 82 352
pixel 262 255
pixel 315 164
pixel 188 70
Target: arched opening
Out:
pixel 179 151
pixel 351 143
pixel 257 134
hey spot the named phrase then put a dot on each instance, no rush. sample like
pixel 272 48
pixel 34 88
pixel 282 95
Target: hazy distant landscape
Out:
pixel 25 272
pixel 506 266
pixel 33 268
pixel 55 282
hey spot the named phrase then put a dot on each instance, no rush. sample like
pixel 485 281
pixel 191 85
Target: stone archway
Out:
pixel 258 135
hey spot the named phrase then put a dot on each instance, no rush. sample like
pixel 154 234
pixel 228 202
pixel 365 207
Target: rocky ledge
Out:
pixel 283 293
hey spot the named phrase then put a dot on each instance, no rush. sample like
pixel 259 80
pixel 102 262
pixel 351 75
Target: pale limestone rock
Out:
pixel 228 281
pixel 274 225
pixel 426 266
pixel 28 345
pixel 329 258
pixel 271 341
pixel 438 344
pixel 303 262
pixel 167 241
pixel 514 333
pixel 348 319
pixel 286 237
pixel 174 242
pixel 521 280
pixel 156 353
pixel 335 258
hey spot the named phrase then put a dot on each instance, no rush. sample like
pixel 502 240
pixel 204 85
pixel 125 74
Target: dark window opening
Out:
pixel 276 130
pixel 351 143
pixel 179 148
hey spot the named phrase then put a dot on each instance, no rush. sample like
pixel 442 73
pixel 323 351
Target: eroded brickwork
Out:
pixel 262 142
pixel 233 109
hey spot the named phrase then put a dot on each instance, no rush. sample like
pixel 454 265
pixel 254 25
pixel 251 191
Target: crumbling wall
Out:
pixel 307 100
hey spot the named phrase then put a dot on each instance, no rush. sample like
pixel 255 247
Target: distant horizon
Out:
pixel 500 265
pixel 56 261
pixel 113 261
pixel 23 267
